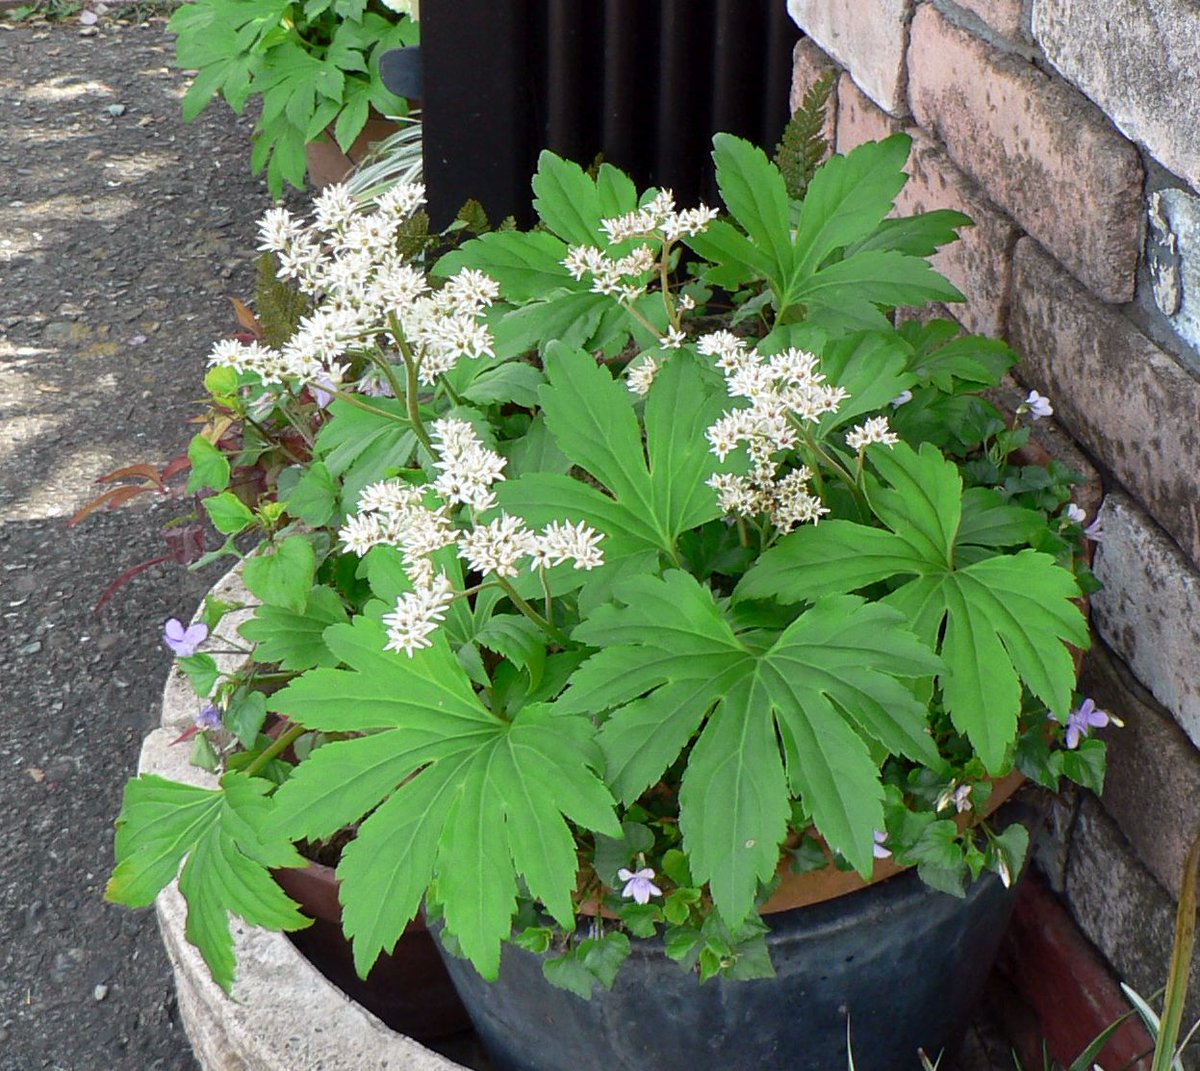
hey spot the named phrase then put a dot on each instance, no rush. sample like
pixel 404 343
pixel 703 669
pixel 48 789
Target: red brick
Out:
pixel 867 37
pixel 980 262
pixel 1061 976
pixel 858 119
pixel 1040 150
pixel 809 64
pixel 1152 788
pixel 1003 16
pixel 1128 403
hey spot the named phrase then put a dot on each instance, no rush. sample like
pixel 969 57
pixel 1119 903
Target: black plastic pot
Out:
pixel 905 963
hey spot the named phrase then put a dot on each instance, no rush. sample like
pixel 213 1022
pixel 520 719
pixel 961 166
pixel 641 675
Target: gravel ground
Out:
pixel 122 232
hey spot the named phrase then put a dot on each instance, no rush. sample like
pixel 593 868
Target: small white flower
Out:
pixel 903 398
pixel 498 546
pixel 562 541
pixel 686 302
pixel 1075 514
pixel 874 430
pixel 673 340
pixel 639 377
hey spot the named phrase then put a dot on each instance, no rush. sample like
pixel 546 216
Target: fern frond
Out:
pixel 803 145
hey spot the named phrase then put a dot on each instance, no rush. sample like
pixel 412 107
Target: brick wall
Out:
pixel 1069 130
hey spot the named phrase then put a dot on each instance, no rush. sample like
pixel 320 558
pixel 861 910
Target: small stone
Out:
pixel 100 992
pixel 116 109
pixel 30 648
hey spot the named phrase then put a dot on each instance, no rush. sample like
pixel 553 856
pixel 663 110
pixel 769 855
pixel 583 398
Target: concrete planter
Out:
pixel 284 1015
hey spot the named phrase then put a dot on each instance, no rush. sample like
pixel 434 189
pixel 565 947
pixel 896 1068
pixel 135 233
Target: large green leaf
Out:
pixel 848 198
pixel 452 793
pixel 651 493
pixel 1000 621
pixel 281 574
pixel 668 659
pixel 526 265
pixel 756 195
pixel 294 640
pixel 222 835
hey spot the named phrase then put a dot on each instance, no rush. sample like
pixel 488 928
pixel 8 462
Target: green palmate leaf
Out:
pixel 282 574
pixel 486 805
pixel 292 639
pixel 942 360
pixel 572 205
pixel 756 195
pixel 361 447
pixel 919 236
pixel 654 492
pixel 863 281
pixel 527 266
pixel 669 659
pixel 517 383
pixel 870 367
pixel 313 499
pixel 1000 621
pixel 221 835
pixel 848 198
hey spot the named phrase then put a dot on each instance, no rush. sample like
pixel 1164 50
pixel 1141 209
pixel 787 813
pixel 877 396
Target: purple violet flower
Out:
pixel 184 641
pixel 1037 405
pixel 1095 530
pixel 1083 719
pixel 878 850
pixel 209 717
pixel 638 884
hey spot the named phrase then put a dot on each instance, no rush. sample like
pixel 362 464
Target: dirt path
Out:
pixel 121 233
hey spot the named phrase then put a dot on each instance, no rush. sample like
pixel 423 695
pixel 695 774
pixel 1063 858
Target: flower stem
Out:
pixel 354 400
pixel 410 399
pixel 276 748
pixel 547 626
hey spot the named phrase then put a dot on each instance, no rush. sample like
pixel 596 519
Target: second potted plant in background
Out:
pixel 315 66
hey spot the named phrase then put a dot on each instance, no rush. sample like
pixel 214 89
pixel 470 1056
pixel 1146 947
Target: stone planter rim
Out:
pixel 283 1014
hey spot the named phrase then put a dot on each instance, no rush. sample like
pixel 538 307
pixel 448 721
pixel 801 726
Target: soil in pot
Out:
pixel 903 962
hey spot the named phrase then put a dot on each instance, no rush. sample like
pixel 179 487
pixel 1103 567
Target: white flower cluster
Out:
pixel 625 278
pixel 783 389
pixel 348 264
pixel 659 219
pixel 466 468
pixel 395 513
pixel 874 430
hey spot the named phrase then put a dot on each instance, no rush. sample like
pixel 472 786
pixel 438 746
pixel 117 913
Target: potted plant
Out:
pixel 636 563
pixel 314 65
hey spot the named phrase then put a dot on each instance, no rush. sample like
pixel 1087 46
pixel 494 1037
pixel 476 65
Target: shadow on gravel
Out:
pixel 122 233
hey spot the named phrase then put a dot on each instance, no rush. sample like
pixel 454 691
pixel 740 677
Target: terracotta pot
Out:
pixel 409 990
pixel 327 163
